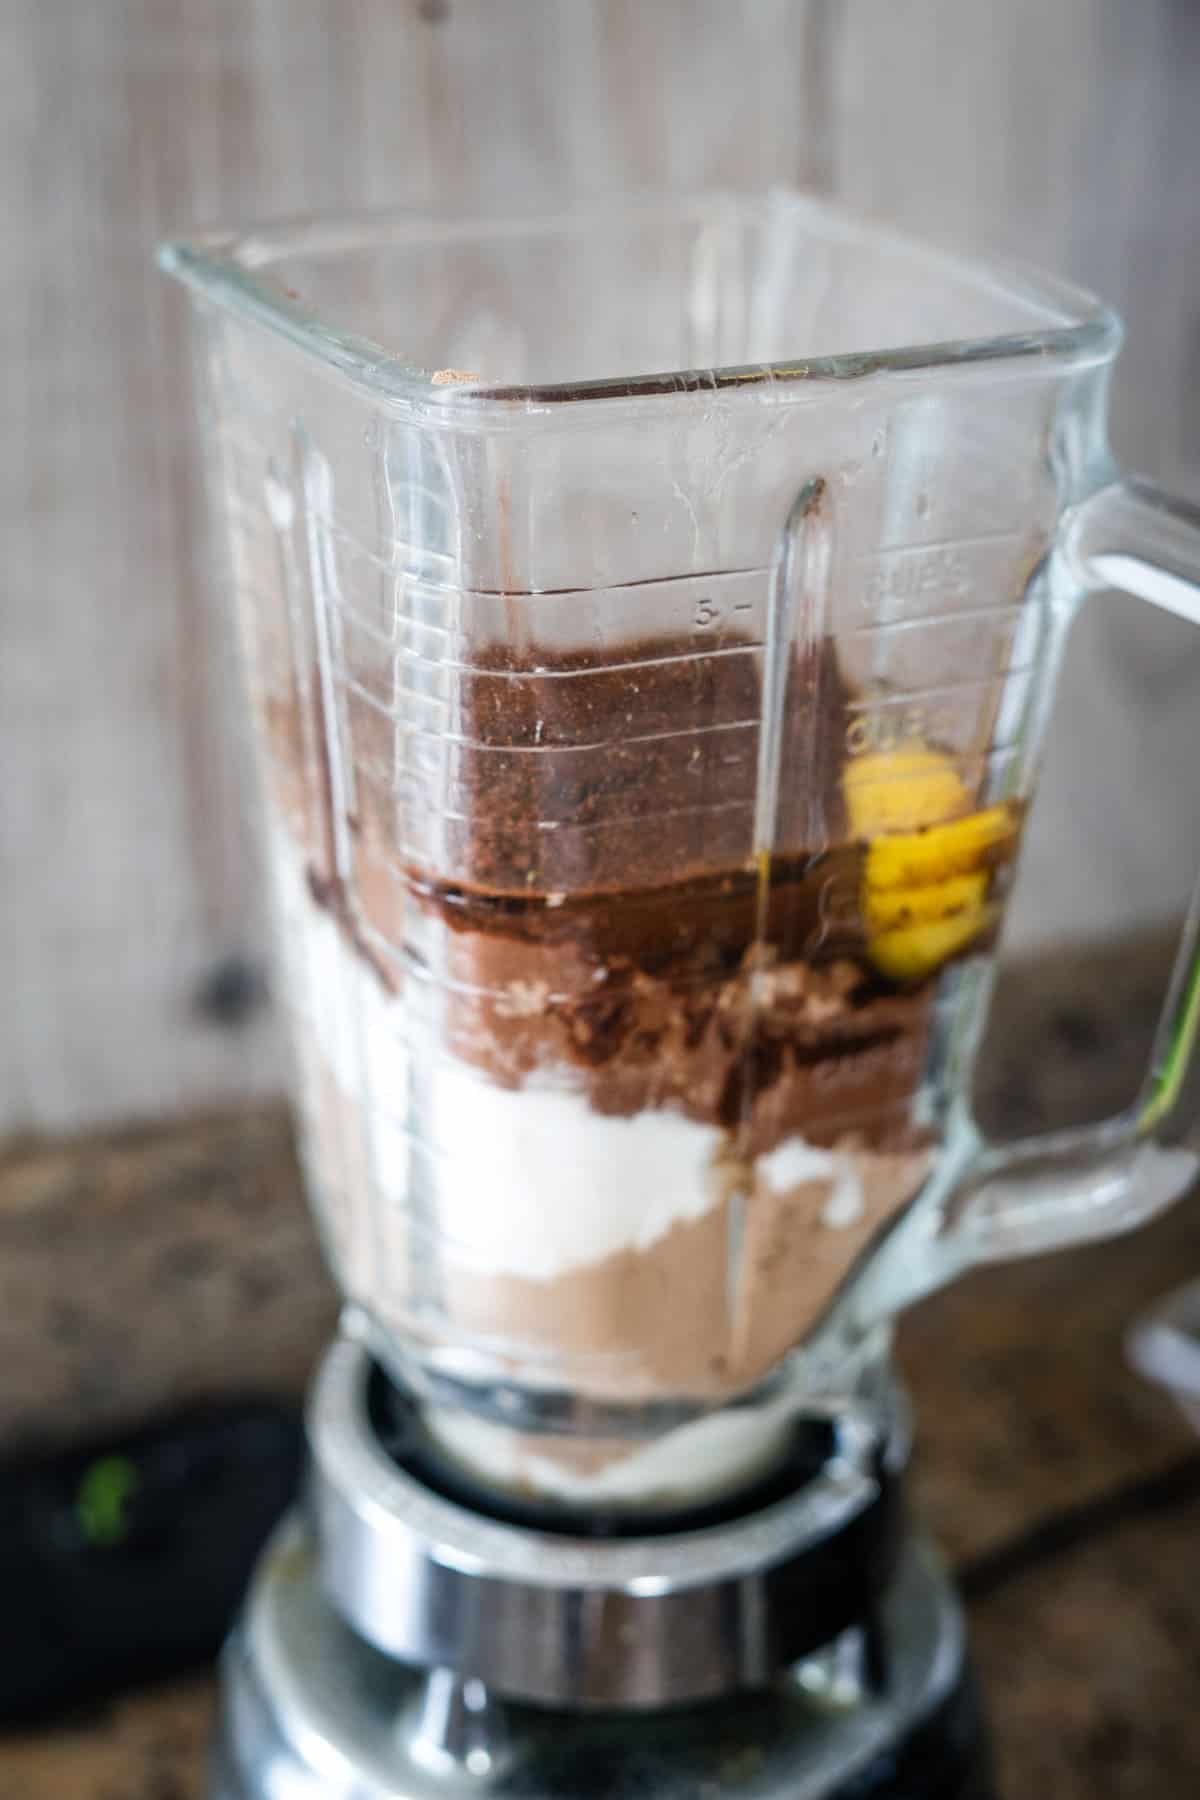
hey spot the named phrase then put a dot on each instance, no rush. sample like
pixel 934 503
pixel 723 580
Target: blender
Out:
pixel 648 620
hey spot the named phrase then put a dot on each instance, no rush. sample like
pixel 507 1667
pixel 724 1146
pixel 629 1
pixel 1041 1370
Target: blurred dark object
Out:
pixel 123 1561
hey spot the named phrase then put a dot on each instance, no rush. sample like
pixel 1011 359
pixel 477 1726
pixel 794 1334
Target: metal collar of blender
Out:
pixel 560 1621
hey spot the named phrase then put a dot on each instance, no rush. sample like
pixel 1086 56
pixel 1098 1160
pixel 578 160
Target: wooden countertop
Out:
pixel 1064 1490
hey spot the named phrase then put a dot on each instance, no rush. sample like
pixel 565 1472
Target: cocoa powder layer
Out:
pixel 626 766
pixel 537 772
pixel 669 971
pixel 765 1051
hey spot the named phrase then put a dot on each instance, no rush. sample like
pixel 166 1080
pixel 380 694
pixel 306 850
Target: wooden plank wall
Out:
pixel 128 925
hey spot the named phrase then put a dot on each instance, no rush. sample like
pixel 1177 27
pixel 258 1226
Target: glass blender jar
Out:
pixel 649 621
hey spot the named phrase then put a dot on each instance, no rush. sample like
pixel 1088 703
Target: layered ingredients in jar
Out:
pixel 590 1090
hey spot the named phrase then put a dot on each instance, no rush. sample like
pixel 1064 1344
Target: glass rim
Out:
pixel 225 267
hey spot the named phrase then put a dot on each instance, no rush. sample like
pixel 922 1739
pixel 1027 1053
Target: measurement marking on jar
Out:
pixel 993 680
pixel 1002 613
pixel 903 574
pixel 709 612
pixel 956 543
pixel 917 574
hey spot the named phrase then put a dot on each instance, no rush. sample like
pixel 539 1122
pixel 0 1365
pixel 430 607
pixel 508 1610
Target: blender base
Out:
pixel 408 1645
pixel 309 1709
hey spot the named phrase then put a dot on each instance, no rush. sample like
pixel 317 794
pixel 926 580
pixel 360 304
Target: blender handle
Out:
pixel 1067 1187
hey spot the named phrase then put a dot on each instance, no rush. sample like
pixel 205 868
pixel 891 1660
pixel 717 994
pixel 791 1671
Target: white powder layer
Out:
pixel 342 1016
pixel 526 1181
pixel 795 1162
pixel 532 1182
pixel 694 1462
pixel 336 999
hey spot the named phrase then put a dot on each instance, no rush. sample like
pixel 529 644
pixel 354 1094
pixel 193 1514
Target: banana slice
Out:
pixel 892 909
pixel 917 950
pixel 928 860
pixel 915 858
pixel 902 790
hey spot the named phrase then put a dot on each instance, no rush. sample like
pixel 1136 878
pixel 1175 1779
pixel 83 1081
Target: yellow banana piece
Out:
pixel 915 858
pixel 902 790
pixel 928 859
pixel 893 909
pixel 917 950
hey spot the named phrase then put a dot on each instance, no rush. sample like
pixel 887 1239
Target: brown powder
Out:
pixel 698 1314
